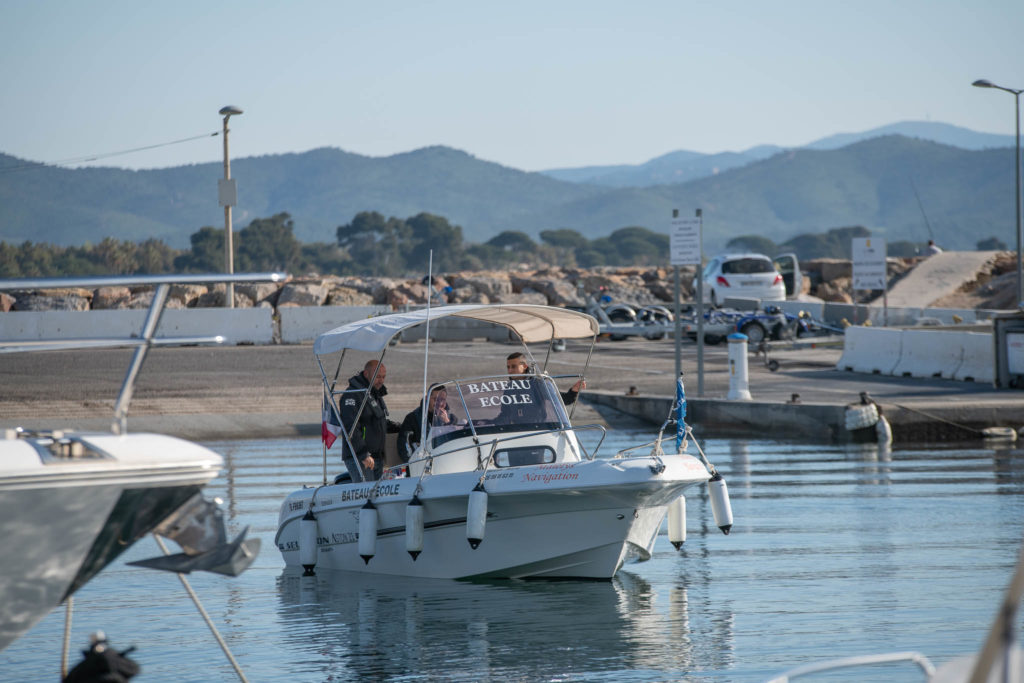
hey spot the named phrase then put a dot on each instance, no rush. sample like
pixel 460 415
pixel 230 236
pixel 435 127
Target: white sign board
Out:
pixel 227 191
pixel 684 242
pixel 869 263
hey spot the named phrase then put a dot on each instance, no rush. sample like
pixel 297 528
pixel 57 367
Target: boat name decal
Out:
pixel 506 386
pixel 548 477
pixel 359 494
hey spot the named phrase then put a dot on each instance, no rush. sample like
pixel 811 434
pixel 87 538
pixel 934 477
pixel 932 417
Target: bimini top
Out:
pixel 531 322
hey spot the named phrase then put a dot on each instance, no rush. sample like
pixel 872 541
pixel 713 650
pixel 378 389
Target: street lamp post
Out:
pixel 982 83
pixel 228 192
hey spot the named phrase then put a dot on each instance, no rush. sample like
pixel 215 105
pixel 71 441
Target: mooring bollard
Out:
pixel 738 390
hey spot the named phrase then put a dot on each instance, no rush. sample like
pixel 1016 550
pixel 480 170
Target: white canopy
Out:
pixel 532 323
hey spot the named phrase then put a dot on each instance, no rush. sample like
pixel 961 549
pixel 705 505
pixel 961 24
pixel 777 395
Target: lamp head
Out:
pixel 982 83
pixel 229 111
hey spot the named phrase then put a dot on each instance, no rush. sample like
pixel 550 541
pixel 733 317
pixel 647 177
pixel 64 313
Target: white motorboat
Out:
pixel 507 489
pixel 71 503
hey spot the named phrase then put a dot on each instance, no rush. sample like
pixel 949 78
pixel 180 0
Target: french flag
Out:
pixel 330 427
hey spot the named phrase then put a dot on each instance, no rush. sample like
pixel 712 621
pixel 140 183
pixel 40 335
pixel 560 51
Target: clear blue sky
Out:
pixel 531 85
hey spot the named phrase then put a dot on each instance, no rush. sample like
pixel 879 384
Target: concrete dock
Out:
pixel 236 392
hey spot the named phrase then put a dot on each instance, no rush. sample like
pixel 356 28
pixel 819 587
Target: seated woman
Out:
pixel 438 415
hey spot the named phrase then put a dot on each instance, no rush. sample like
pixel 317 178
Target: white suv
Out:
pixel 749 276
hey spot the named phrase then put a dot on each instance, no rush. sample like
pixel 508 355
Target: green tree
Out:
pixel 835 243
pixel 991 244
pixel 564 237
pixel 427 232
pixel 153 257
pixel 635 246
pixel 268 244
pixel 10 265
pixel 375 244
pixel 326 259
pixel 207 254
pixel 513 240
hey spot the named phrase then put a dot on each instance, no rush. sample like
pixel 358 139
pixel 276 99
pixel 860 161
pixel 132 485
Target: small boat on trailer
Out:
pixel 504 488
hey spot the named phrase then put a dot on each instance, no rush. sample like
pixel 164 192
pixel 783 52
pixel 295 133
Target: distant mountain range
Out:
pixel 898 181
pixel 682 166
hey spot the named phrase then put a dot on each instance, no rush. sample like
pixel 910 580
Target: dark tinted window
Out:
pixel 747 265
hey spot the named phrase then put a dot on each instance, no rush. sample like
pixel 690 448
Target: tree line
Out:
pixel 374 245
pixel 369 245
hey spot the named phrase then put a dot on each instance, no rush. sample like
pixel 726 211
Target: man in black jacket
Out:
pixel 373 426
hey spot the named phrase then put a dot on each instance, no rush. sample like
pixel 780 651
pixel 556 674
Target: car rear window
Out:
pixel 747 265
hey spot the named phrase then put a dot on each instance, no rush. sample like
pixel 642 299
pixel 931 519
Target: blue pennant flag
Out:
pixel 680 415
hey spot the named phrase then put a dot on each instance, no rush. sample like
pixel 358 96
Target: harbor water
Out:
pixel 835 551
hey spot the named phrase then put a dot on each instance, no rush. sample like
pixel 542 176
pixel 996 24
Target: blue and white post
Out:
pixel 738 389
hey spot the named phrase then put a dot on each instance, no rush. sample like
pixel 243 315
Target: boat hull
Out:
pixel 62 519
pixel 565 520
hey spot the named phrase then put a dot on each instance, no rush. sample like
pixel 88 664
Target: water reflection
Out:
pixel 378 626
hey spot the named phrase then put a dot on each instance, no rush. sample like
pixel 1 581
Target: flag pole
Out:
pixel 426 348
pixel 323 441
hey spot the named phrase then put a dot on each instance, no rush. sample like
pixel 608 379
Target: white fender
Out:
pixel 883 430
pixel 414 527
pixel 367 531
pixel 677 522
pixel 476 516
pixel 720 506
pixel 860 416
pixel 307 542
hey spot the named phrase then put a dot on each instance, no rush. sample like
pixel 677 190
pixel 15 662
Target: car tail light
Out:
pixel 778 280
pixel 722 281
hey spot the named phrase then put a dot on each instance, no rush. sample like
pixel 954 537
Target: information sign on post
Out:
pixel 869 271
pixel 869 263
pixel 684 242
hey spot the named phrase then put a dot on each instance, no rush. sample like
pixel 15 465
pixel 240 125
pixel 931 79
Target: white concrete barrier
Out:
pixel 304 323
pixel 236 325
pixel 979 364
pixel 930 353
pixel 873 350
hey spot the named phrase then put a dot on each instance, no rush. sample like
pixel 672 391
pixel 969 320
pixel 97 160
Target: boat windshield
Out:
pixel 495 405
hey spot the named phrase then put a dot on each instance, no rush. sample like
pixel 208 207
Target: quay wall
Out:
pixel 721 418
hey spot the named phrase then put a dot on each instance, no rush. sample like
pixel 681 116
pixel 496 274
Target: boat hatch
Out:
pixel 56 448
